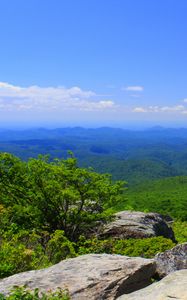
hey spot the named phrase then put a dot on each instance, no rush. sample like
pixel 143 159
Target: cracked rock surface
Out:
pixel 173 286
pixel 171 260
pixel 91 276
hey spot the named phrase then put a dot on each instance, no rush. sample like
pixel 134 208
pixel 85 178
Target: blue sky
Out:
pixel 93 62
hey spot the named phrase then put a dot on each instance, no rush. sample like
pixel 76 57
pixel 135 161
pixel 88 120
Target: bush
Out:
pixel 21 252
pixel 21 293
pixel 180 230
pixel 147 248
pixel 26 251
pixel 59 247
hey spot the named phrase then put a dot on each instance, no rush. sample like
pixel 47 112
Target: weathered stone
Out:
pixel 173 286
pixel 93 277
pixel 171 260
pixel 132 224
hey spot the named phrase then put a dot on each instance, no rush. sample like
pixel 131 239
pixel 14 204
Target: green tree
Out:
pixel 54 195
pixel 70 198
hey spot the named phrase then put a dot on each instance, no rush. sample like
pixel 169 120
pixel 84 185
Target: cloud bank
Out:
pixel 161 109
pixel 36 103
pixel 36 98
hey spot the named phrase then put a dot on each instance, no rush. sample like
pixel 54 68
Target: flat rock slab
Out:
pixel 133 224
pixel 92 276
pixel 171 260
pixel 173 286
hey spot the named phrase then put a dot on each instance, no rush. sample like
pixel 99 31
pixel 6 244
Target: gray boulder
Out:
pixel 93 276
pixel 133 224
pixel 171 260
pixel 173 286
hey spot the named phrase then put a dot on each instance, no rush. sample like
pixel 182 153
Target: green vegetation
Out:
pixel 45 206
pixel 24 250
pixel 54 195
pixel 21 293
pixel 147 248
pixel 167 196
pixel 180 229
pixel 133 156
pixel 49 210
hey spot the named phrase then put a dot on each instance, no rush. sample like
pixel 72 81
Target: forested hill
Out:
pixel 133 156
pixel 165 196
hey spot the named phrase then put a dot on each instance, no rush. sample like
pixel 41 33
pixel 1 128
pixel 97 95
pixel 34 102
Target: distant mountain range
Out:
pixel 134 156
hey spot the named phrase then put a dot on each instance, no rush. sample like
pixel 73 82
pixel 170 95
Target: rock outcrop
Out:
pixel 173 286
pixel 132 224
pixel 171 260
pixel 93 276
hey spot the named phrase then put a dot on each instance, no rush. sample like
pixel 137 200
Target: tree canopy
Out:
pixel 53 195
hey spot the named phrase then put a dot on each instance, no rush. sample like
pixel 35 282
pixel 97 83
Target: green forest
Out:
pixel 132 156
pixel 51 207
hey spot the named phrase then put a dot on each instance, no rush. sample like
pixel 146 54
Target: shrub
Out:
pixel 147 248
pixel 59 247
pixel 21 252
pixel 25 251
pixel 180 230
pixel 21 293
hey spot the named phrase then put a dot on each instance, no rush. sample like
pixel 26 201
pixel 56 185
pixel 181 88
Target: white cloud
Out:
pixel 62 102
pixel 101 105
pixel 134 88
pixel 185 100
pixel 49 98
pixel 160 109
pixel 139 110
pixel 8 90
pixel 172 108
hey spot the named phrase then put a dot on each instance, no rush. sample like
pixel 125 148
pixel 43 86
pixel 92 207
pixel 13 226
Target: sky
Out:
pixel 93 63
